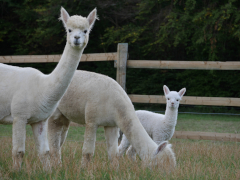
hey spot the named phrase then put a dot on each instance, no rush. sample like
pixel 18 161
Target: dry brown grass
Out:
pixel 195 160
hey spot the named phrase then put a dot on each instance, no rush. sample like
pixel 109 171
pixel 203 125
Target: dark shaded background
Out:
pixel 192 30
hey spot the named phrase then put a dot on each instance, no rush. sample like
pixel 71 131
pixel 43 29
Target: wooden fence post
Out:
pixel 122 52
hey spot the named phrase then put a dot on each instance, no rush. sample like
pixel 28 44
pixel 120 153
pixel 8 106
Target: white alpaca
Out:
pixel 158 126
pixel 97 100
pixel 166 160
pixel 28 96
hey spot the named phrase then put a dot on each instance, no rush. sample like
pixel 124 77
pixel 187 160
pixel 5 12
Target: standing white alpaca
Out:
pixel 158 126
pixel 97 100
pixel 29 97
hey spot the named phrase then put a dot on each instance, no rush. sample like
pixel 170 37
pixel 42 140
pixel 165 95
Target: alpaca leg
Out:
pixel 89 143
pixel 18 140
pixel 64 132
pixel 111 136
pixel 123 146
pixel 57 131
pixel 54 137
pixel 120 136
pixel 41 140
pixel 131 153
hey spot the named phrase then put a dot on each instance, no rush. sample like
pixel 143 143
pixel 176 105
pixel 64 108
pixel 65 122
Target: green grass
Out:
pixel 186 122
pixel 6 130
pixel 208 123
pixel 75 133
pixel 196 159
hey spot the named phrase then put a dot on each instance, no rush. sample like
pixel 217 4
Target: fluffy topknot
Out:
pixel 78 22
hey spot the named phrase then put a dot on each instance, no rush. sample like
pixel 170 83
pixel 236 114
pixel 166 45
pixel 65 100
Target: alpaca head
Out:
pixel 163 157
pixel 173 98
pixel 78 27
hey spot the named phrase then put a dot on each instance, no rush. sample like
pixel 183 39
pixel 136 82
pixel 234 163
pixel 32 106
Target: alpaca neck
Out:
pixel 136 134
pixel 170 118
pixel 60 78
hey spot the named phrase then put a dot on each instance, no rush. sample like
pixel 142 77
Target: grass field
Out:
pixel 208 123
pixel 195 159
pixel 186 122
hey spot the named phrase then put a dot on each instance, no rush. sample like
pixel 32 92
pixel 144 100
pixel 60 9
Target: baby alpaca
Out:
pixel 28 96
pixel 159 127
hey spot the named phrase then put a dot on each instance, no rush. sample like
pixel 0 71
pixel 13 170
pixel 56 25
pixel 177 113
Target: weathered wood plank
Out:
pixel 99 57
pixel 122 53
pixel 206 136
pixel 204 65
pixel 190 100
pixel 56 58
pixel 121 65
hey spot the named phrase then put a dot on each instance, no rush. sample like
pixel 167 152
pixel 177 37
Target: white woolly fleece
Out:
pixel 158 126
pixel 97 100
pixel 78 22
pixel 28 96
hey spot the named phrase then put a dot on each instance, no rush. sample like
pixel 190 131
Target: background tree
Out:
pixel 155 30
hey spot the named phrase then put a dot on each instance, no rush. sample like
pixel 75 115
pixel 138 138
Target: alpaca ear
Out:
pixel 166 90
pixel 161 147
pixel 182 92
pixel 92 17
pixel 64 16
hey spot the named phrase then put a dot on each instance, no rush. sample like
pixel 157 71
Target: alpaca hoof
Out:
pixel 16 168
pixel 86 158
pixel 84 165
pixel 114 164
pixel 47 168
pixel 132 158
pixel 56 162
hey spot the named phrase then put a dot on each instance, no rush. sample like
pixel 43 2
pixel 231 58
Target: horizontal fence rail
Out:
pixel 201 65
pixel 195 135
pixel 121 63
pixel 56 58
pixel 190 100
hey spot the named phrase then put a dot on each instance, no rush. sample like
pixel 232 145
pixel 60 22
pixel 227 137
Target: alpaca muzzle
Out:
pixel 77 42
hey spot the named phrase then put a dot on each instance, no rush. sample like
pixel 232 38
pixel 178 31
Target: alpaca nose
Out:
pixel 76 37
pixel 172 103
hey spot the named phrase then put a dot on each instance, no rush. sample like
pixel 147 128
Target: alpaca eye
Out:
pixel 69 30
pixel 85 31
pixel 177 100
pixel 168 99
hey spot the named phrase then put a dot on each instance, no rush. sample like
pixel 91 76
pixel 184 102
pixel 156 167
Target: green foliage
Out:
pixel 182 30
pixel 155 30
pixel 200 29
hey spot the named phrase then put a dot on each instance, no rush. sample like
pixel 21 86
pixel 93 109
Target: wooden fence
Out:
pixel 56 58
pixel 197 65
pixel 206 136
pixel 122 63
